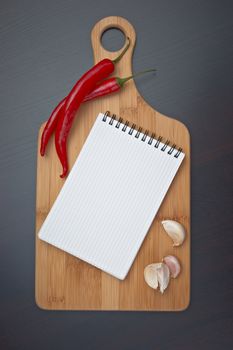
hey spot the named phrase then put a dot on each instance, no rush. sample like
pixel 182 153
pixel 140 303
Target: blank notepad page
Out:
pixel 111 196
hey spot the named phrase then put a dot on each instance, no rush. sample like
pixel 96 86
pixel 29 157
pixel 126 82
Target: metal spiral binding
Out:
pixel 119 122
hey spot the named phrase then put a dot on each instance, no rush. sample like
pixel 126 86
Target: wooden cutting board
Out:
pixel 66 283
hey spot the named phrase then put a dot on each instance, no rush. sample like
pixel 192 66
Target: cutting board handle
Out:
pixel 100 52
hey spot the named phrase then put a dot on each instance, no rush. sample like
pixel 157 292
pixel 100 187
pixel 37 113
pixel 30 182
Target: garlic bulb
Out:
pixel 175 230
pixel 173 264
pixel 157 275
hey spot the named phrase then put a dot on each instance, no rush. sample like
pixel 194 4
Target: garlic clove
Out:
pixel 150 275
pixel 173 264
pixel 174 230
pixel 157 275
pixel 163 277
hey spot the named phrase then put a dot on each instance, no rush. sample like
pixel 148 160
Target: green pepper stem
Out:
pixel 123 52
pixel 122 81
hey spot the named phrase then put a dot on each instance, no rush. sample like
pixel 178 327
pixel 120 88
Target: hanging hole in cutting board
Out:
pixel 113 39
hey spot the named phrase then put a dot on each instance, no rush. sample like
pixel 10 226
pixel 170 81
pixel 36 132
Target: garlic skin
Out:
pixel 174 230
pixel 173 264
pixel 157 275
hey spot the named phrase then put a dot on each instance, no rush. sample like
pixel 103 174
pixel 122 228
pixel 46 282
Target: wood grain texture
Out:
pixel 65 282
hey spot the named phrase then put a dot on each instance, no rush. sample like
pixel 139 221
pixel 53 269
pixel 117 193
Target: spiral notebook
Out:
pixel 112 194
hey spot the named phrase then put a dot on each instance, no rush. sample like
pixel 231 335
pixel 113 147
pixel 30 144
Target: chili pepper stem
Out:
pixel 122 81
pixel 117 59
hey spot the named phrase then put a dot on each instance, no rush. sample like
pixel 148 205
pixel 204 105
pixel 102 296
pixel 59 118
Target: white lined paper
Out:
pixel 110 198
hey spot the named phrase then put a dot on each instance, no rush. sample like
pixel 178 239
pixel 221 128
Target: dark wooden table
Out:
pixel 45 47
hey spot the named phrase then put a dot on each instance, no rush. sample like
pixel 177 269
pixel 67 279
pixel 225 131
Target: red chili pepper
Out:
pixel 111 85
pixel 102 69
pixel 83 87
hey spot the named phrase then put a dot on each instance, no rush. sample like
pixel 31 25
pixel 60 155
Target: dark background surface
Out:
pixel 45 46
